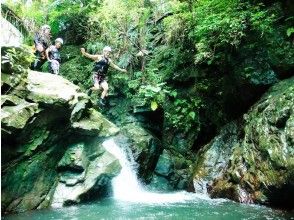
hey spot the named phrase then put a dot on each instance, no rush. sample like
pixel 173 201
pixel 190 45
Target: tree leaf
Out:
pixel 192 115
pixel 154 105
pixel 290 31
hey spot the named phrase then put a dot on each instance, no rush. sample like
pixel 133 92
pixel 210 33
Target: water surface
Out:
pixel 197 209
pixel 131 200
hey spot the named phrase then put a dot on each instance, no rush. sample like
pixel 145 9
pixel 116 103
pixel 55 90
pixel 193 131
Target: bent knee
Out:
pixel 104 85
pixel 96 86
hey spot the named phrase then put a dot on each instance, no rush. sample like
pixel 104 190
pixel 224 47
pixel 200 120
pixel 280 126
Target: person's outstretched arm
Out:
pixel 117 67
pixel 93 57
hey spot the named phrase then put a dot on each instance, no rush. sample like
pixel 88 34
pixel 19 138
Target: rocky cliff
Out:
pixel 252 160
pixel 51 143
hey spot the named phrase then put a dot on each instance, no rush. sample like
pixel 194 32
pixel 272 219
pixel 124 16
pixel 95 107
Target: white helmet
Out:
pixel 107 48
pixel 59 40
pixel 46 26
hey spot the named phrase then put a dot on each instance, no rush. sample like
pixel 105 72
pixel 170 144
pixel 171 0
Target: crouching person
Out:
pixel 53 56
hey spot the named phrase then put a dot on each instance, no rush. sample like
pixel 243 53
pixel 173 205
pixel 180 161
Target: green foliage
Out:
pixel 69 22
pixel 183 114
pixel 33 15
pixel 95 47
pixel 198 54
pixel 290 31
pixel 153 94
pixel 19 58
pixel 165 62
pixel 76 68
pixel 154 105
pixel 216 27
pixel 67 19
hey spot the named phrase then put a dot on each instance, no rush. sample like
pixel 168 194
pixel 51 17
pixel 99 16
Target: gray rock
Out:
pixel 79 110
pixel 37 129
pixel 16 113
pixel 95 124
pixel 145 148
pixel 74 159
pixel 98 175
pixel 52 89
pixel 164 166
pixel 253 161
pixel 160 183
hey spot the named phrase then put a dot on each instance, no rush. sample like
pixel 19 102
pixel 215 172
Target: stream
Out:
pixel 131 200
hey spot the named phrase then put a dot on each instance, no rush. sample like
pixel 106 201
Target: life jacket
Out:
pixel 54 54
pixel 101 66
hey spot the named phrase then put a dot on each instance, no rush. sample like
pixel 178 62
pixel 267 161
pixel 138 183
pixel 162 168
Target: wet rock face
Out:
pixel 135 137
pixel 162 166
pixel 84 176
pixel 16 112
pixel 172 171
pixel 253 161
pixel 145 148
pixel 49 140
pixel 213 159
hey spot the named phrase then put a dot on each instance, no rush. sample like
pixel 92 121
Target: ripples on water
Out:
pixel 132 201
pixel 197 209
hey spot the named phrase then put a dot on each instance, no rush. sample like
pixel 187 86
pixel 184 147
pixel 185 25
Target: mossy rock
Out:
pixel 16 112
pixel 52 89
pixel 74 188
pixel 95 124
pixel 74 159
pixel 261 161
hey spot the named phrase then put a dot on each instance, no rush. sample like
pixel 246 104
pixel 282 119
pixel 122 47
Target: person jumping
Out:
pixel 102 62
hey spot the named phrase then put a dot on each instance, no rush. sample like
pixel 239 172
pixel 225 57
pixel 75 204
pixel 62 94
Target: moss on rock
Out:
pixel 259 161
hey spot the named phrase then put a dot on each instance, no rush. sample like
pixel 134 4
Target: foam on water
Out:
pixel 127 187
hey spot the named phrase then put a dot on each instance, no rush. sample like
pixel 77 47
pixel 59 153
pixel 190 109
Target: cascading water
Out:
pixel 132 201
pixel 127 187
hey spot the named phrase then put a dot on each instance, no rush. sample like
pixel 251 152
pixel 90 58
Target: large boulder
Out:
pixel 16 112
pixel 43 119
pixel 172 171
pixel 93 124
pixel 253 160
pixel 52 89
pixel 84 176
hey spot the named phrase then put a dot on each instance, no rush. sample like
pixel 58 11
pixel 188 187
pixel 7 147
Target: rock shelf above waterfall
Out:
pixel 44 118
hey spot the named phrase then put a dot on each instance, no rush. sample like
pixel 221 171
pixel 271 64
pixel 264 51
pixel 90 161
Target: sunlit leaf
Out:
pixel 154 105
pixel 192 115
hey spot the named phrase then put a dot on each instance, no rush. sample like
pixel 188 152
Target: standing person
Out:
pixel 42 41
pixel 102 62
pixel 53 56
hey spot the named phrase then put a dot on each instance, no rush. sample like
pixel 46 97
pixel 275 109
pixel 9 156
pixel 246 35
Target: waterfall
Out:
pixel 127 187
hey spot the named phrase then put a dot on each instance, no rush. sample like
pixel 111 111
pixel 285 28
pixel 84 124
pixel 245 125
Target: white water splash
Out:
pixel 126 186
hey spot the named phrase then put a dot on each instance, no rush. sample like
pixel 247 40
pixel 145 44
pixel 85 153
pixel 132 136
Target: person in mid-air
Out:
pixel 102 62
pixel 42 41
pixel 53 56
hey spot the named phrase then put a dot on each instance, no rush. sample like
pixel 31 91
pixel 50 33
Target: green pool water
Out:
pixel 194 209
pixel 132 200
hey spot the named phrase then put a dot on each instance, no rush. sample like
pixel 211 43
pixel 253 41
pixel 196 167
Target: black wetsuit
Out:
pixel 100 70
